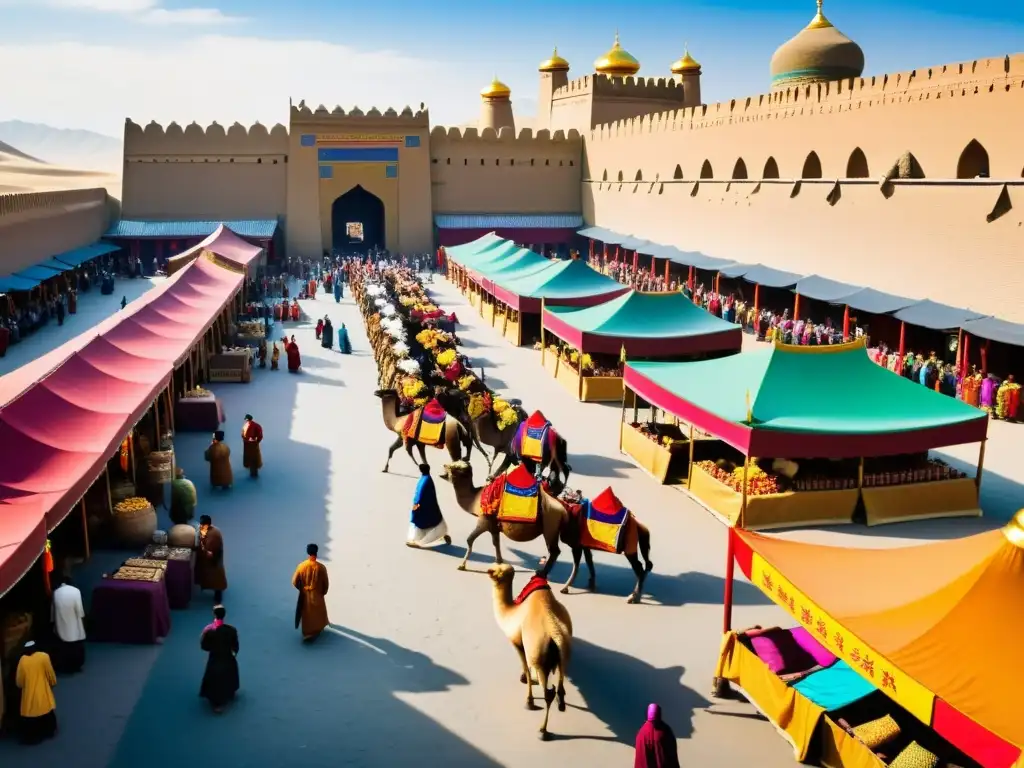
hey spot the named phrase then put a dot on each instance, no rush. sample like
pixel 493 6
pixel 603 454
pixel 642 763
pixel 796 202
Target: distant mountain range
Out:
pixel 70 148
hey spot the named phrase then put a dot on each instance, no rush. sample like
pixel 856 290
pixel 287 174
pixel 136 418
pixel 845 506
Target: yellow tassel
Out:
pixel 622 355
pixel 750 411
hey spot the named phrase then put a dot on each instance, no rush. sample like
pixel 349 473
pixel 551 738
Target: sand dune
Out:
pixel 20 172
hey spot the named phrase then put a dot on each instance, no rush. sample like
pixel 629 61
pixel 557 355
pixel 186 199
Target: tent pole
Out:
pixel 504 328
pixel 85 529
pixel 636 408
pixel 860 474
pixel 156 419
pixel 170 407
pixel 730 572
pixel 110 496
pixel 981 464
pixel 743 503
pixel 579 384
pixel 131 451
pixel 543 337
pixel 519 331
pixel 689 469
pixel 622 416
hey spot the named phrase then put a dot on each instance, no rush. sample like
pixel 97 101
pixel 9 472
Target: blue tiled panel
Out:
pixel 307 140
pixel 391 171
pixel 412 142
pixel 326 171
pixel 358 154
pixel 261 229
pixel 509 220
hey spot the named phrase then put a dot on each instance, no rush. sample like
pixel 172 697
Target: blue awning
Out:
pixel 701 260
pixel 258 229
pixel 994 329
pixel 60 266
pixel 38 273
pixel 938 317
pixel 15 283
pixel 507 221
pixel 823 289
pixel 634 243
pixel 86 253
pixel 874 302
pixel 604 235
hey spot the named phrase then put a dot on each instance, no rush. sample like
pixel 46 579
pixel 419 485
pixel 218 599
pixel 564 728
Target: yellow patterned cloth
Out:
pixel 520 498
pixel 877 732
pixel 914 756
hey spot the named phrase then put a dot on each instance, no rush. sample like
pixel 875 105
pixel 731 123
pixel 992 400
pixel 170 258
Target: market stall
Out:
pixel 927 627
pixel 232 365
pixel 199 410
pixel 130 606
pixel 666 326
pixel 806 434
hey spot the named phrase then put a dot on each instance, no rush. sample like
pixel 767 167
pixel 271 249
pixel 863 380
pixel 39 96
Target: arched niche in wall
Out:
pixel 677 174
pixel 812 167
pixel 739 171
pixel 973 162
pixel 639 175
pixel 620 176
pixel 857 165
pixel 771 169
pixel 604 176
pixel 706 171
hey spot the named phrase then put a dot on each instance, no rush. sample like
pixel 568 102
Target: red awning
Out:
pixel 223 243
pixel 59 429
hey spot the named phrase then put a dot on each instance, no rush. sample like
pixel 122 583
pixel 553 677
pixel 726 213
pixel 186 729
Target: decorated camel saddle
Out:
pixel 535 584
pixel 513 497
pixel 604 523
pixel 426 425
pixel 535 439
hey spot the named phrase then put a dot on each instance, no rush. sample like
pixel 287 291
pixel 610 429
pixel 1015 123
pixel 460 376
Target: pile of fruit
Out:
pixel 931 470
pixel 663 440
pixel 759 482
pixel 132 506
pixel 196 393
pixel 252 328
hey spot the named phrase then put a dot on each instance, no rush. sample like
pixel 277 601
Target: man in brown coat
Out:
pixel 252 436
pixel 310 578
pixel 219 456
pixel 209 570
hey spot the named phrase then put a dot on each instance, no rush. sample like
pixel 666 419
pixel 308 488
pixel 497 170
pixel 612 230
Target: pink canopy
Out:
pixel 223 243
pixel 59 429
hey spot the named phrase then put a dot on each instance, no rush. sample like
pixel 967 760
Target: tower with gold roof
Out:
pixel 818 53
pixel 496 106
pixel 554 74
pixel 686 71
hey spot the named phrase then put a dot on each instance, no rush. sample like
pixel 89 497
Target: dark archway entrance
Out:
pixel 357 221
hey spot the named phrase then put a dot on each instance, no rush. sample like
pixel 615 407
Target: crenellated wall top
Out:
pixel 621 87
pixel 504 136
pixel 961 79
pixel 195 139
pixel 301 113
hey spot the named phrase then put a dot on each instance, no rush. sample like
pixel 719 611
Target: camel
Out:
pixel 549 520
pixel 456 438
pixel 486 431
pixel 540 628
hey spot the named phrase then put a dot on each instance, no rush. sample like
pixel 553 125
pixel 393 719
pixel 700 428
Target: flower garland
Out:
pixel 446 358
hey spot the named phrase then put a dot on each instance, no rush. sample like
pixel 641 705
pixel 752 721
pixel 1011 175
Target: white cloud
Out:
pixel 223 78
pixel 144 11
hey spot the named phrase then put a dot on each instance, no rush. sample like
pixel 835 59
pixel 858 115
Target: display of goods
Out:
pixel 759 482
pixel 134 522
pixel 142 562
pixel 139 574
pixel 179 553
pixel 929 471
pixel 167 441
pixel 160 538
pixel 408 301
pixel 182 536
pixel 121 490
pixel 161 466
pixel 822 483
pixel 156 552
pixel 650 432
pixel 446 358
pixel 196 393
pixel 132 506
pixel 251 328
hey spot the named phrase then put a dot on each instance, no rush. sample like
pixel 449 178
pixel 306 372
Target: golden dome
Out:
pixel 819 52
pixel 617 62
pixel 685 64
pixel 496 90
pixel 555 64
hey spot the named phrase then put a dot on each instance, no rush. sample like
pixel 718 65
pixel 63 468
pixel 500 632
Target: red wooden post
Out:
pixel 730 571
pixel 903 342
pixel 846 323
pixel 667 275
pixel 796 308
pixel 965 358
pixel 636 260
pixel 689 279
pixel 718 281
pixel 984 358
pixel 757 302
pixel 653 261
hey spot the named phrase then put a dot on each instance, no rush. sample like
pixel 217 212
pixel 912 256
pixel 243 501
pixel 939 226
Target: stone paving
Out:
pixel 414 668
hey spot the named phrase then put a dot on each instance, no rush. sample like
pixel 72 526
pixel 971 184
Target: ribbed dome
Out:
pixel 496 90
pixel 818 53
pixel 555 64
pixel 686 64
pixel 617 62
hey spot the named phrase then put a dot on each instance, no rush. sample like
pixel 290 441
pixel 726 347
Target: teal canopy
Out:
pixel 458 252
pixel 570 279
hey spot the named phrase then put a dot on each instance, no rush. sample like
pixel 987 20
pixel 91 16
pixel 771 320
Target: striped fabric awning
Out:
pixel 508 221
pixel 260 229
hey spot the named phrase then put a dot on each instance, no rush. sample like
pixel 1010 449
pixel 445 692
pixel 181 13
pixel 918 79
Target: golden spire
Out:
pixel 496 90
pixel 819 21
pixel 617 62
pixel 554 64
pixel 686 64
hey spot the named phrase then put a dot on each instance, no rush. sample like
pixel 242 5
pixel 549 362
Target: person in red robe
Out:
pixel 252 436
pixel 319 328
pixel 294 360
pixel 311 288
pixel 295 310
pixel 655 743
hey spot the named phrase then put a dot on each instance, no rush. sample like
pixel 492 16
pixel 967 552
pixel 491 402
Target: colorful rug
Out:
pixel 520 498
pixel 426 425
pixel 534 438
pixel 535 584
pixel 603 526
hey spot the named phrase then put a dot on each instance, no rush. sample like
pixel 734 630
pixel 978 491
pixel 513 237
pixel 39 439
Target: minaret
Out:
pixel 496 107
pixel 686 71
pixel 554 73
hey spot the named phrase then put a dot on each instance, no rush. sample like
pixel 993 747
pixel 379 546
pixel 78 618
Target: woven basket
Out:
pixel 877 732
pixel 914 756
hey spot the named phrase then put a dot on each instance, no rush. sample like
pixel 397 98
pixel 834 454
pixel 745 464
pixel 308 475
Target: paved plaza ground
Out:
pixel 414 669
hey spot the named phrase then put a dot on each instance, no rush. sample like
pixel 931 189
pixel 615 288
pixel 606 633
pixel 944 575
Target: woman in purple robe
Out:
pixel 655 743
pixel 988 391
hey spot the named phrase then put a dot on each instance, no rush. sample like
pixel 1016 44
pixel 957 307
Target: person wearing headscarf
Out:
pixel 252 436
pixel 220 679
pixel 344 345
pixel 655 743
pixel 294 359
pixel 183 498
pixel 319 328
pixel 426 523
pixel 327 342
pixel 35 679
pixel 209 568
pixel 310 579
pixel 219 456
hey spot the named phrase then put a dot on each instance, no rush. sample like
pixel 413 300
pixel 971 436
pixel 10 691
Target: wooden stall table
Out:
pixel 234 365
pixel 198 414
pixel 178 578
pixel 136 612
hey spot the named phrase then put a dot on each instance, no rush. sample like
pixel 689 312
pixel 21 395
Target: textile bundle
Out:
pixel 604 523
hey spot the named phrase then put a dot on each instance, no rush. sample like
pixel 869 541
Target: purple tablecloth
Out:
pixel 129 612
pixel 198 414
pixel 179 583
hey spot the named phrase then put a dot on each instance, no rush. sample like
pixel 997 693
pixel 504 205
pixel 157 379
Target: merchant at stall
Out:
pixel 252 436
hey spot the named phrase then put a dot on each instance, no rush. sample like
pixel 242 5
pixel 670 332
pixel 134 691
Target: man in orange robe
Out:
pixel 310 579
pixel 252 436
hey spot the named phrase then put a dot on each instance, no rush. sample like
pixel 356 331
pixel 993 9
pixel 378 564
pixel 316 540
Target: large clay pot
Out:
pixel 135 530
pixel 182 536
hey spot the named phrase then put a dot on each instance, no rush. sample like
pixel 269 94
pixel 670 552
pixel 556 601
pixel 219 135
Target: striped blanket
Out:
pixel 513 497
pixel 535 439
pixel 604 524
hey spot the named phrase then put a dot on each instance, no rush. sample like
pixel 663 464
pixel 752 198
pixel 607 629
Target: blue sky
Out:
pixel 90 63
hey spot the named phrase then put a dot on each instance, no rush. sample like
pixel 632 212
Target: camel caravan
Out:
pixel 432 399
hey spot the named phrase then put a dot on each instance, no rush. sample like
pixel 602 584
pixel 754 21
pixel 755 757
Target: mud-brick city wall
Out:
pixel 204 173
pixel 794 180
pixel 34 227
pixel 505 171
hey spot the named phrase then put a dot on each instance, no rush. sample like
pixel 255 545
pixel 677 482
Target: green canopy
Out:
pixel 499 263
pixel 488 254
pixel 566 282
pixel 458 252
pixel 828 402
pixel 646 324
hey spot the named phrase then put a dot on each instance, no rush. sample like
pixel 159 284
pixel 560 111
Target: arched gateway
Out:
pixel 357 221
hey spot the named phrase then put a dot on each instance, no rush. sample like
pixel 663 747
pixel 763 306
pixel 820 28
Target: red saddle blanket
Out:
pixel 513 497
pixel 426 425
pixel 533 585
